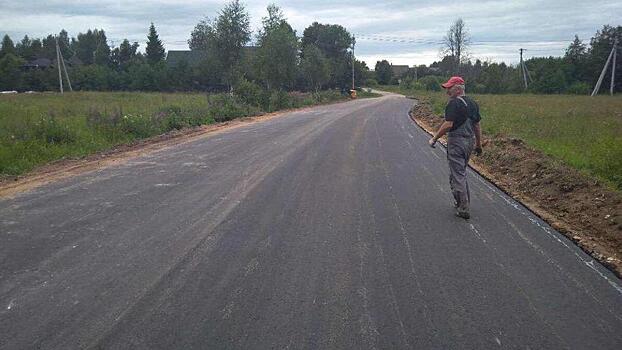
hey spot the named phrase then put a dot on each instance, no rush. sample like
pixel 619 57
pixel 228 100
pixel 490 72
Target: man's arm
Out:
pixel 478 135
pixel 446 126
pixel 478 138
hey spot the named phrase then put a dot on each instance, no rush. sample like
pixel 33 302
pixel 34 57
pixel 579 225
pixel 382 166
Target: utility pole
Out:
pixel 613 67
pixel 58 63
pixel 523 67
pixel 602 74
pixel 353 41
pixel 62 59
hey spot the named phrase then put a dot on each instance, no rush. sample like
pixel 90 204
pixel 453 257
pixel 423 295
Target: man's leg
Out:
pixel 469 144
pixel 457 157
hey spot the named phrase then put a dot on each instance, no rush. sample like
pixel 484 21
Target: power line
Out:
pixel 403 39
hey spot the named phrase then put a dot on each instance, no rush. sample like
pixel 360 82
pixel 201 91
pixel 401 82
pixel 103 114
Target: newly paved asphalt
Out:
pixel 327 228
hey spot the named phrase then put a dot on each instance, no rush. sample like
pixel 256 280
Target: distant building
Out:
pixel 434 70
pixel 74 61
pixel 39 63
pixel 399 70
pixel 46 63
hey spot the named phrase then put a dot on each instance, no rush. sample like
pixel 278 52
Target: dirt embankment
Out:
pixel 581 207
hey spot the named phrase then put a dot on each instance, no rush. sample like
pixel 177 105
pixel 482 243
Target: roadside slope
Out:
pixel 583 208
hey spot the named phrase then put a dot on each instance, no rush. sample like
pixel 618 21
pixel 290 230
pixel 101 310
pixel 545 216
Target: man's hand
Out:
pixel 478 150
pixel 432 142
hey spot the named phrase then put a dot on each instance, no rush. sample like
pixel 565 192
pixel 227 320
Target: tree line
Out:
pixel 281 60
pixel 278 59
pixel 576 72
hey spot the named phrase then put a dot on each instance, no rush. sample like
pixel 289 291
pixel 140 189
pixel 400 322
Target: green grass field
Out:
pixel 38 128
pixel 582 131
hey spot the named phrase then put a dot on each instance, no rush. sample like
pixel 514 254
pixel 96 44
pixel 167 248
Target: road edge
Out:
pixel 65 168
pixel 561 227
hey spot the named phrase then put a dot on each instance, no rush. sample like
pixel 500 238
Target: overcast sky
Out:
pixel 497 28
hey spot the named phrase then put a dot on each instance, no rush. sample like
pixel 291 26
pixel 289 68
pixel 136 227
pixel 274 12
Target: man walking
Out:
pixel 464 136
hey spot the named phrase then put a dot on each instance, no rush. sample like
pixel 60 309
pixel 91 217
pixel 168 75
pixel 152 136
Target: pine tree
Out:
pixel 576 50
pixel 7 46
pixel 155 50
pixel 24 48
pixel 101 55
pixel 127 52
pixel 64 43
pixel 84 47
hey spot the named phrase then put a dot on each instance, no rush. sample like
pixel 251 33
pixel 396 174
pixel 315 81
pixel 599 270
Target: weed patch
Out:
pixel 39 128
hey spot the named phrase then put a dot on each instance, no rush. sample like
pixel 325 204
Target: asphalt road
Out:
pixel 327 228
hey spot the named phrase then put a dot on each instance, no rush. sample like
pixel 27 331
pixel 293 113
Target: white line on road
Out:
pixel 516 205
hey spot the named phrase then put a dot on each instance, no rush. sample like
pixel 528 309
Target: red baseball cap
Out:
pixel 453 81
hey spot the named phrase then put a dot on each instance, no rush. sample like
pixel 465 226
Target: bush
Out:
pixel 407 82
pixel 94 78
pixel 224 107
pixel 51 130
pixel 172 118
pixel 431 83
pixel 279 99
pixel 371 82
pixel 138 125
pixel 579 88
pixel 250 93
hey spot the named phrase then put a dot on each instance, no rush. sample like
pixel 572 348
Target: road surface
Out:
pixel 326 228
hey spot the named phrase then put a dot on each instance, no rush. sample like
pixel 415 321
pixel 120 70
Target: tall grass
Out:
pixel 582 131
pixel 39 128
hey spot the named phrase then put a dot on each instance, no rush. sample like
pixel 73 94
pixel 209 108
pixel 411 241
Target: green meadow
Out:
pixel 39 128
pixel 582 131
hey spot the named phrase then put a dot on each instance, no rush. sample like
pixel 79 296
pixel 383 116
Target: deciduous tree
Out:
pixel 456 43
pixel 278 51
pixel 383 72
pixel 315 67
pixel 333 41
pixel 126 53
pixel 232 34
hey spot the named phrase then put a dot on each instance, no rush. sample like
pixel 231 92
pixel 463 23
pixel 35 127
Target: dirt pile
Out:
pixel 583 208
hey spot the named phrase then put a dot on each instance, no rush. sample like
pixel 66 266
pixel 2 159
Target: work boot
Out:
pixel 463 214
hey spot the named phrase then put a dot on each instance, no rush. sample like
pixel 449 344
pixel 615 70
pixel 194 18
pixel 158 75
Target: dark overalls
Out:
pixel 460 143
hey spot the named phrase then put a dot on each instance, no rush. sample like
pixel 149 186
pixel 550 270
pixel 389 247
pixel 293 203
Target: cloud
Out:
pixel 544 28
